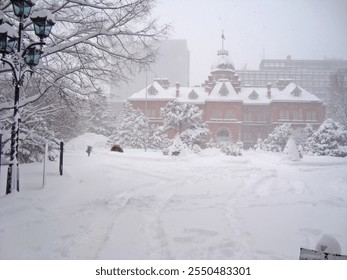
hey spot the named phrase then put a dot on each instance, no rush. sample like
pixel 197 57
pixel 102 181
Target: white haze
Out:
pixel 304 29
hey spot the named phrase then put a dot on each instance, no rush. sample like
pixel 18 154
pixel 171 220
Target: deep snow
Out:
pixel 144 205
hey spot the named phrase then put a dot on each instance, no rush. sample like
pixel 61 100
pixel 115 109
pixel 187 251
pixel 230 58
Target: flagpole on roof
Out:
pixel 223 38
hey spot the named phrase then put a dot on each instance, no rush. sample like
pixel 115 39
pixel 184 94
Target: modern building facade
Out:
pixel 172 63
pixel 316 76
pixel 234 112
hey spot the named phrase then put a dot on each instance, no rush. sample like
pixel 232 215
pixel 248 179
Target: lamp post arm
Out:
pixel 17 73
pixel 9 63
pixel 31 45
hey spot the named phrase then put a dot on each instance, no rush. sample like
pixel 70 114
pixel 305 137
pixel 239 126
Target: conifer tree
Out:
pixel 186 119
pixel 329 140
pixel 278 138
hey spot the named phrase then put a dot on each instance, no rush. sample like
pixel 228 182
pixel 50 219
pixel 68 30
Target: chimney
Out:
pixel 177 89
pixel 268 90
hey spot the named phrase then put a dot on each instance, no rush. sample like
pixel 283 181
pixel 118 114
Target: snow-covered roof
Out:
pixel 155 91
pixel 223 91
pixel 291 93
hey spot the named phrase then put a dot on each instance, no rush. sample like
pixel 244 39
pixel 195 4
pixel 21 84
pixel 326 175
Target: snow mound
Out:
pixel 98 142
pixel 328 244
pixel 291 151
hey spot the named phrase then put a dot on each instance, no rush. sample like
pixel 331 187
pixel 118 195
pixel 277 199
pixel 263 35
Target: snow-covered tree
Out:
pixel 186 119
pixel 34 133
pixel 338 97
pixel 231 149
pixel 278 138
pixel 131 128
pixel 92 43
pixel 329 140
pixel 260 146
pixel 158 138
pixel 141 131
pixel 99 116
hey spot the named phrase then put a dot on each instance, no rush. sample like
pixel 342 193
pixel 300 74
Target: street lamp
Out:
pixel 22 8
pixel 21 60
pixel 8 38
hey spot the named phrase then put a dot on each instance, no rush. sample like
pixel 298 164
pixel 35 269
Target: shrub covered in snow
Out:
pixel 329 140
pixel 277 139
pixel 232 149
pixel 195 136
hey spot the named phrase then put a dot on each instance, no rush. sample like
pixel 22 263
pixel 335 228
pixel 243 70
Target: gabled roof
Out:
pixel 277 95
pixel 221 86
pixel 286 94
pixel 170 94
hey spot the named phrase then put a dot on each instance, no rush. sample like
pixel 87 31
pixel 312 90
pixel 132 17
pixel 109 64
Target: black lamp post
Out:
pixel 21 60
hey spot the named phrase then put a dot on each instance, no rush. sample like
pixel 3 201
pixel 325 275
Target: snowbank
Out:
pixel 144 205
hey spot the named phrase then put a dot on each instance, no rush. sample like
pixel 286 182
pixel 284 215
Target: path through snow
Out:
pixel 141 205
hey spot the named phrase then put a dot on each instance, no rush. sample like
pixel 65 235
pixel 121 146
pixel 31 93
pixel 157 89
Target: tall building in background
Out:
pixel 172 63
pixel 315 76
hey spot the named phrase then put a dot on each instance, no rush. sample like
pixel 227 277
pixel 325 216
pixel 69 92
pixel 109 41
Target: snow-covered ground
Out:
pixel 144 205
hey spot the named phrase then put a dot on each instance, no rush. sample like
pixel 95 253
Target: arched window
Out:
pixel 223 135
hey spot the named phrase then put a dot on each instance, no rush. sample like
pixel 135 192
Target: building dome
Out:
pixel 223 62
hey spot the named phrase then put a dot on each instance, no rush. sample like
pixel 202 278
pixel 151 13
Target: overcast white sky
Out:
pixel 304 29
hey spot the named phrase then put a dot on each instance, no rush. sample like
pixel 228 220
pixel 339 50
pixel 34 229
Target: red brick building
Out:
pixel 233 112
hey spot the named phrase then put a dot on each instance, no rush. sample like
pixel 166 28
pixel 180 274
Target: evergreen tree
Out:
pixel 186 119
pixel 131 128
pixel 158 138
pixel 329 140
pixel 278 138
pixel 99 116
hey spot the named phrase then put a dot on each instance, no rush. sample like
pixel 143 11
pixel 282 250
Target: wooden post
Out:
pixel 44 164
pixel 61 158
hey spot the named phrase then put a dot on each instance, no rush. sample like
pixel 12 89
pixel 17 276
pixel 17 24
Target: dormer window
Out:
pixel 152 90
pixel 296 92
pixel 224 90
pixel 192 95
pixel 254 95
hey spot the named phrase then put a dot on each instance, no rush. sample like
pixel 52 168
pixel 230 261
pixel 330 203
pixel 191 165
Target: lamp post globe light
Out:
pixel 21 58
